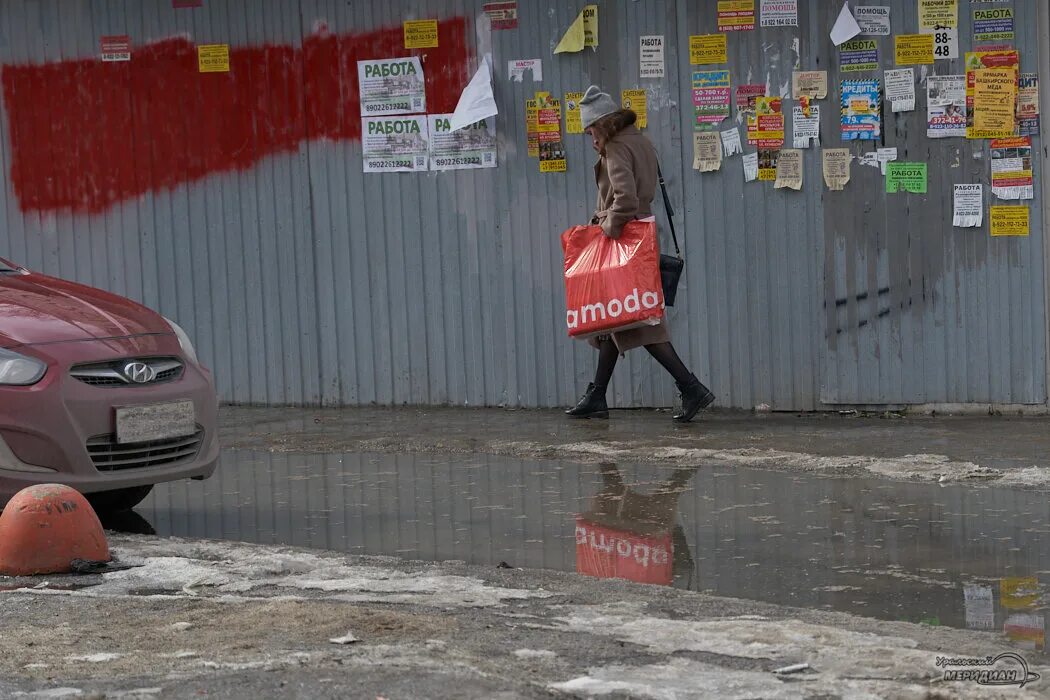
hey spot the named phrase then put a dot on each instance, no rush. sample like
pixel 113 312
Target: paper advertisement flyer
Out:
pixel 994 25
pixel 810 83
pixel 879 158
pixel 906 177
pixel 731 144
pixel 805 131
pixel 746 95
pixel 473 146
pixel 750 161
pixel 767 165
pixel 975 62
pixel 711 97
pixel 938 13
pixel 858 55
pixel 968 206
pixel 836 168
pixel 779 13
pixel 707 151
pixel 1028 105
pixel 532 127
pixel 552 150
pixel 516 69
pixel 736 15
pixel 766 128
pixel 421 33
pixel 706 49
pixel 651 56
pixel 900 89
pixel 873 20
pixel 861 110
pixel 1010 221
pixel 913 49
pixel 392 86
pixel 502 15
pixel 995 100
pixel 395 144
pixel 1012 168
pixel 945 106
pixel 573 121
pixel 789 169
pixel 637 102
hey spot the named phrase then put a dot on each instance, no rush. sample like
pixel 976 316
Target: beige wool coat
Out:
pixel 627 179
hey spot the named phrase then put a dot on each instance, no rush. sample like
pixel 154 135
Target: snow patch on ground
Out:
pixel 783 641
pixel 534 654
pixel 99 658
pixel 227 571
pixel 914 467
pixel 684 679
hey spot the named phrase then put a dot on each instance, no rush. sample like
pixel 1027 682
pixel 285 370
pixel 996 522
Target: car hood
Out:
pixel 37 309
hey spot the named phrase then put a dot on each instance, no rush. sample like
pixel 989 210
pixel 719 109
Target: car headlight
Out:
pixel 19 370
pixel 184 340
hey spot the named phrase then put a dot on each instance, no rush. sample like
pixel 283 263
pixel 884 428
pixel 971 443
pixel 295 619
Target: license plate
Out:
pixel 158 421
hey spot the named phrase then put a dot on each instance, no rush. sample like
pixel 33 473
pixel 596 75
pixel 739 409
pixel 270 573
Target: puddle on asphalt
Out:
pixel 967 557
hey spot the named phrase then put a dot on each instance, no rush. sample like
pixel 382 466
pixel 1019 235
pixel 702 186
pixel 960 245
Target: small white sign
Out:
pixel 873 20
pixel 900 89
pixel 651 54
pixel 968 212
pixel 731 144
pixel 779 13
pixel 516 69
pixel 945 42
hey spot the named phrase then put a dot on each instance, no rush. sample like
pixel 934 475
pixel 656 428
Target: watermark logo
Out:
pixel 1008 668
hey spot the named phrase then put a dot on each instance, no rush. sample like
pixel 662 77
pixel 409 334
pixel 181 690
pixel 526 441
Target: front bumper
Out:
pixel 45 428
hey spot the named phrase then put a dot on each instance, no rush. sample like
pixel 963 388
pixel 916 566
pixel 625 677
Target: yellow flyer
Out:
pixel 1009 221
pixel 995 100
pixel 573 122
pixel 913 49
pixel 532 127
pixel 636 101
pixel 213 58
pixel 938 14
pixel 421 33
pixel 705 49
pixel 976 62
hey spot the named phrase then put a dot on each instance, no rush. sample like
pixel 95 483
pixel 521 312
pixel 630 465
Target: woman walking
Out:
pixel 626 173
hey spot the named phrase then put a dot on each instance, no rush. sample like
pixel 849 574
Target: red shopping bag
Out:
pixel 612 285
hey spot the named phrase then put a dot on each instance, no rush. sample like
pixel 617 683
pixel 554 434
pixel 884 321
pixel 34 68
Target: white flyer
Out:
pixel 879 158
pixel 779 13
pixel 476 101
pixel 968 209
pixel 805 130
pixel 651 56
pixel 731 144
pixel 395 144
pixel 473 146
pixel 900 89
pixel 516 69
pixel 873 20
pixel 750 167
pixel 945 42
pixel 979 602
pixel 945 106
pixel 391 86
pixel 846 26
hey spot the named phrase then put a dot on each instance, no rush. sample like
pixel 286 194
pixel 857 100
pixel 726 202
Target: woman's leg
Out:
pixel 593 403
pixel 665 354
pixel 695 396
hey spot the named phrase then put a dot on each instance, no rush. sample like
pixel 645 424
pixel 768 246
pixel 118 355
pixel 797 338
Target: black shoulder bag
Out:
pixel 671 266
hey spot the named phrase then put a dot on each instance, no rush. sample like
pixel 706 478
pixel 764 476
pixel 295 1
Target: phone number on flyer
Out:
pixel 457 161
pixel 387 106
pixel 390 164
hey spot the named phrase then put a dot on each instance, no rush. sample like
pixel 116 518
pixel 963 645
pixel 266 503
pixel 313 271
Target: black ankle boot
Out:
pixel 591 405
pixel 695 398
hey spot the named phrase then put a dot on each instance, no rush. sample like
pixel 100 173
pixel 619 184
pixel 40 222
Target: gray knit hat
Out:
pixel 595 105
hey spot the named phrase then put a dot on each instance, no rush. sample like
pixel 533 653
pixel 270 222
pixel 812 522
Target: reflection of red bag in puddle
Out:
pixel 612 285
pixel 606 552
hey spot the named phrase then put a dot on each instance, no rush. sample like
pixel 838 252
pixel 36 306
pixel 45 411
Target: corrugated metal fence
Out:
pixel 235 203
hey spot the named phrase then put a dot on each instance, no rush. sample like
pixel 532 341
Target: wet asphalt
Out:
pixel 959 556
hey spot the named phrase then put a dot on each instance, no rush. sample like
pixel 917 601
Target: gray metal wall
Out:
pixel 305 281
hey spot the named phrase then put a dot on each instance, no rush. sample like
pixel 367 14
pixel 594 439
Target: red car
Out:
pixel 97 392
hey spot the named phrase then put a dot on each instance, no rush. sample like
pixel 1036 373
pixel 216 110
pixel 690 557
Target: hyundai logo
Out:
pixel 139 373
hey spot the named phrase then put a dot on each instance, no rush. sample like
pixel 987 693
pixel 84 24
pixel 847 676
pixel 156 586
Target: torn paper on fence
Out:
pixel 477 101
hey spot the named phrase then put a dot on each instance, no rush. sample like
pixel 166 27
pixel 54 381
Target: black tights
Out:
pixel 664 353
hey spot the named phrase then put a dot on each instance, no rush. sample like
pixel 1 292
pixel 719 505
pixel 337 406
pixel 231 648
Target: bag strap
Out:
pixel 670 211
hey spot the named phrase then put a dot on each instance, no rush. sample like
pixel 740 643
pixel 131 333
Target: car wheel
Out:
pixel 118 500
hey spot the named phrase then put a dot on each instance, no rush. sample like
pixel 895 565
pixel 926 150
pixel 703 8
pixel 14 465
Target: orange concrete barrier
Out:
pixel 45 527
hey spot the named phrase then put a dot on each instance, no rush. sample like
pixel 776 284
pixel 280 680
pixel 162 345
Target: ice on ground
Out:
pixel 227 570
pixel 99 658
pixel 534 654
pixel 917 467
